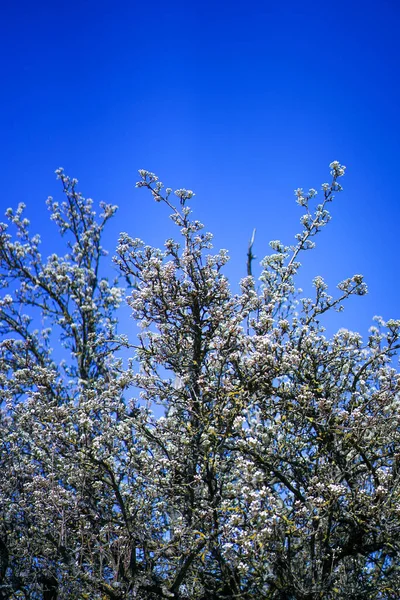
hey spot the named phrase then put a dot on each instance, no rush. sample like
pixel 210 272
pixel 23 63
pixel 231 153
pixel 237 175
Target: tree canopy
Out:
pixel 239 454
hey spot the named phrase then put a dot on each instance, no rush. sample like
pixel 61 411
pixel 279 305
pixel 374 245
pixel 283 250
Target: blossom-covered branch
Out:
pixel 239 454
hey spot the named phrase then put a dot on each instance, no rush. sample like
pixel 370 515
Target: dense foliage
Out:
pixel 240 454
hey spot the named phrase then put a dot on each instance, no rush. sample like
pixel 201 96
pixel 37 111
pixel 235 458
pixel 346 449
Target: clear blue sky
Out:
pixel 241 102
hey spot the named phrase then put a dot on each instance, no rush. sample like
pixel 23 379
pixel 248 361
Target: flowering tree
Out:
pixel 274 470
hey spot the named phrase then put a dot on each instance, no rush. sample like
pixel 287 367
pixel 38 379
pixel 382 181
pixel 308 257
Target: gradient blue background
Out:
pixel 241 102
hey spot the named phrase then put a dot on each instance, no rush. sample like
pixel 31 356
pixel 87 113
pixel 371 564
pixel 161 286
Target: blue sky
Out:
pixel 241 102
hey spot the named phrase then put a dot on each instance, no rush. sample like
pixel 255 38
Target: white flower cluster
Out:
pixel 232 451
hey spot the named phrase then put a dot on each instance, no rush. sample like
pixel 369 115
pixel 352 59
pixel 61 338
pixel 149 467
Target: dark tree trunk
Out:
pixel 50 587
